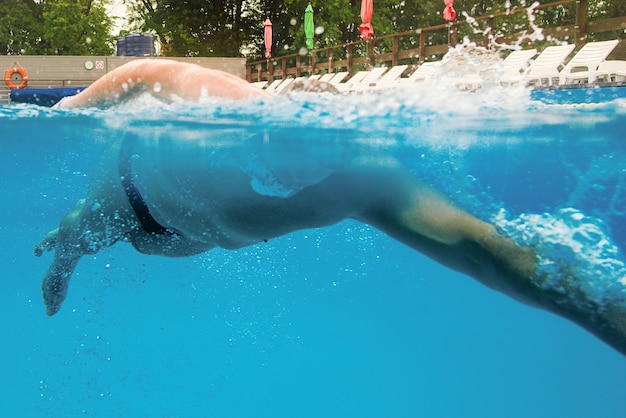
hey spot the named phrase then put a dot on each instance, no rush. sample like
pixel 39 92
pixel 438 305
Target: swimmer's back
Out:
pixel 167 79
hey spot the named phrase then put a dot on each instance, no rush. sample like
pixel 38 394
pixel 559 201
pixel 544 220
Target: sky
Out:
pixel 117 10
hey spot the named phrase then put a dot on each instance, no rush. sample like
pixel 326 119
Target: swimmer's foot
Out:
pixel 47 243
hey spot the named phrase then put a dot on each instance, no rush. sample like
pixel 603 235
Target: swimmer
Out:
pixel 165 79
pixel 163 198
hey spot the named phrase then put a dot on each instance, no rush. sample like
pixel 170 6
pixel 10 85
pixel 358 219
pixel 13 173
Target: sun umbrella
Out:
pixel 268 38
pixel 366 28
pixel 449 13
pixel 309 28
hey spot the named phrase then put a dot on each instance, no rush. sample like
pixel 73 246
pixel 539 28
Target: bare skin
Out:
pixel 212 205
pixel 164 79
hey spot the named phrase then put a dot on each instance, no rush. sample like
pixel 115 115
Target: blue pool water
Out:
pixel 340 321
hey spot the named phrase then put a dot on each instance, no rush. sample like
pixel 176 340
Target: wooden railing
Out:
pixel 416 46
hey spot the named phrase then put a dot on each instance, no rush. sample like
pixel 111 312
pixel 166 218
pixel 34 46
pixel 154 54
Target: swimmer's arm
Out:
pixel 165 79
pixel 429 223
pixel 426 221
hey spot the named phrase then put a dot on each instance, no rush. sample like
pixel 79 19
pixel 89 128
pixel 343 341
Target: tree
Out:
pixel 19 25
pixel 55 27
pixel 233 27
pixel 230 27
pixel 194 27
pixel 73 27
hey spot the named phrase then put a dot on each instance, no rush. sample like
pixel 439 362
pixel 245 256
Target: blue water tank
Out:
pixel 136 45
pixel 121 47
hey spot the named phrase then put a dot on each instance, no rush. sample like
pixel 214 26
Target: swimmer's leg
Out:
pixel 421 218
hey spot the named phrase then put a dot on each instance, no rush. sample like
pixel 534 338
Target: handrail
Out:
pixel 292 64
pixel 63 82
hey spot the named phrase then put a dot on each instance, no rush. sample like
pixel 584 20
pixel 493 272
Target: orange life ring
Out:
pixel 9 74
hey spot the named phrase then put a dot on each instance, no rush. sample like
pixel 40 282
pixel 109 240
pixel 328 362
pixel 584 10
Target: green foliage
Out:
pixel 230 27
pixel 55 27
pixel 196 27
pixel 420 14
pixel 18 22
pixel 235 27
pixel 73 27
pixel 606 8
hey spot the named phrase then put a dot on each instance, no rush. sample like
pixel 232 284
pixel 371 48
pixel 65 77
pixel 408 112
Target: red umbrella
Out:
pixel 449 13
pixel 366 28
pixel 268 38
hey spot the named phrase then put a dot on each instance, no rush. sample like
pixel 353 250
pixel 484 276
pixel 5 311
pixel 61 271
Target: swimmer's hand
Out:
pixel 54 288
pixel 47 243
pixel 57 279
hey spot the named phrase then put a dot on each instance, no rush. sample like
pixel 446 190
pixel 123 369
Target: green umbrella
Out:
pixel 309 28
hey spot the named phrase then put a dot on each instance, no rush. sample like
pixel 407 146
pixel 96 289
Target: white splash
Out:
pixel 575 253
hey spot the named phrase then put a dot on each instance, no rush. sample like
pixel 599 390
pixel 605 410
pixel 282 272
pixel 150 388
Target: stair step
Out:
pixel 5 95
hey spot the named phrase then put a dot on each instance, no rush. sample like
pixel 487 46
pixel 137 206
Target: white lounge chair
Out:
pixel 260 84
pixel 545 68
pixel 356 78
pixel 425 71
pixel 361 80
pixel 327 77
pixel 334 78
pixel 515 64
pixel 286 82
pixel 611 71
pixel 582 67
pixel 339 77
pixel 272 86
pixel 314 77
pixel 390 78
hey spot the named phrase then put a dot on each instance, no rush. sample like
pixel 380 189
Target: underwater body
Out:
pixel 338 321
